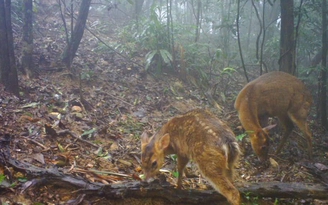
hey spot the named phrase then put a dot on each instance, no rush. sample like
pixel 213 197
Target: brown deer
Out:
pixel 198 136
pixel 275 94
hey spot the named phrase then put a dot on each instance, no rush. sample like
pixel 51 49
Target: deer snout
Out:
pixel 262 158
pixel 148 177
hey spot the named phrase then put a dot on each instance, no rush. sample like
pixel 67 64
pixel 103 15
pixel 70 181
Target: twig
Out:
pixel 62 132
pixel 117 98
pixel 118 53
pixel 36 142
pixel 109 173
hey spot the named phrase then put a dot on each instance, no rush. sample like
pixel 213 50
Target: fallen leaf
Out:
pixel 321 167
pixel 55 115
pixel 76 108
pixel 39 157
pixel 273 163
pixel 31 105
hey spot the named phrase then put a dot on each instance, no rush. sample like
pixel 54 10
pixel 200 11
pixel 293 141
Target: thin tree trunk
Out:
pixel 63 19
pixel 198 24
pixel 239 44
pixel 27 39
pixel 72 20
pixel 263 40
pixel 4 55
pixel 299 17
pixel 71 48
pixel 172 37
pixel 225 36
pixel 323 74
pixel 250 29
pixel 7 56
pixel 259 35
pixel 287 45
pixel 168 23
pixel 137 11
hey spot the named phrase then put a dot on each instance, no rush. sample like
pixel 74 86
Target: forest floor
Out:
pixel 92 124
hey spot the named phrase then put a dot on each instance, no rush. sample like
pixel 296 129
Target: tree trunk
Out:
pixel 198 20
pixel 171 35
pixel 138 7
pixel 137 11
pixel 250 28
pixel 287 45
pixel 272 14
pixel 71 48
pixel 258 38
pixel 263 40
pixel 7 56
pixel 27 39
pixel 225 30
pixel 323 74
pixel 239 44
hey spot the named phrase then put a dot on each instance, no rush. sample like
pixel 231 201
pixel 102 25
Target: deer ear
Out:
pixel 269 127
pixel 144 138
pixel 164 141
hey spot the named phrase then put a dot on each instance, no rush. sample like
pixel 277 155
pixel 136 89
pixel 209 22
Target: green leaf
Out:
pixel 148 98
pixel 131 2
pixel 175 174
pixel 166 56
pixel 2 177
pixel 241 136
pixel 89 133
pixel 228 71
pixel 218 53
pixel 38 203
pixel 224 99
pixel 31 105
pixel 174 157
pixel 13 185
pixel 142 176
pixel 99 152
pixel 61 148
pixel 149 58
pixel 23 179
pixel 250 132
pixel 276 201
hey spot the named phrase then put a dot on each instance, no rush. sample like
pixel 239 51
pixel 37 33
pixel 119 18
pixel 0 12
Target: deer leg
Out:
pixel 231 165
pixel 301 123
pixel 288 126
pixel 182 162
pixel 229 174
pixel 214 169
pixel 220 182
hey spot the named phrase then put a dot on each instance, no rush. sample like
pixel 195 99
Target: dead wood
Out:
pixel 264 189
pixel 135 189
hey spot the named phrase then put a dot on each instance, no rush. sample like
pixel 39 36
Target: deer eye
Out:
pixel 154 164
pixel 263 147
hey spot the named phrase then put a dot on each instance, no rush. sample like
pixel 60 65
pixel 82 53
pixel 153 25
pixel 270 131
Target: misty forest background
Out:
pixel 199 41
pixel 101 72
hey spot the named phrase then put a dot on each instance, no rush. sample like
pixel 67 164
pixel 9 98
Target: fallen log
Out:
pixel 136 189
pixel 262 189
pixel 171 195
